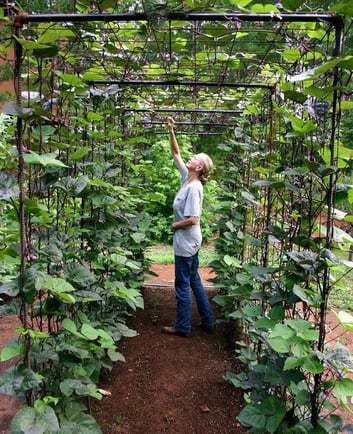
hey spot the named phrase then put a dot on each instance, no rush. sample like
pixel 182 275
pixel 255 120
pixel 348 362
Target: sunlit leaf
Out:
pixel 44 159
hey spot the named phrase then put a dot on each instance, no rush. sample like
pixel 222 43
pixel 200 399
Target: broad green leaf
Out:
pixel 91 116
pixel 252 310
pixel 283 331
pixel 44 159
pixel 57 285
pixel 312 364
pixel 71 79
pixel 11 349
pixel 252 416
pixel 310 74
pixel 345 319
pixel 291 55
pixel 52 35
pixel 30 45
pixel 302 398
pixel 238 3
pixel 265 324
pixel 279 344
pixel 347 105
pixel 292 363
pixel 88 331
pixel 347 63
pixel 11 288
pixel 69 325
pixel 306 295
pixel 232 261
pixel 343 389
pixel 13 109
pixel 115 356
pixel 50 51
pixel 79 153
pixel 295 96
pixel 92 76
pixel 299 325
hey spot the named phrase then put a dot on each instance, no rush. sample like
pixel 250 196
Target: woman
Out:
pixel 187 240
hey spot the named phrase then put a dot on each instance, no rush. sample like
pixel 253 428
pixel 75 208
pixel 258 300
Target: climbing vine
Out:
pixel 263 90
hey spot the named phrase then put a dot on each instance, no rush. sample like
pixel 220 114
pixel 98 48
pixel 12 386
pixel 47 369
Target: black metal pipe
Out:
pixel 205 124
pixel 182 110
pixel 334 19
pixel 179 83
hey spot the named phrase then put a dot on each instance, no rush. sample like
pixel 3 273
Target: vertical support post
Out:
pixel 325 290
pixel 268 193
pixel 21 207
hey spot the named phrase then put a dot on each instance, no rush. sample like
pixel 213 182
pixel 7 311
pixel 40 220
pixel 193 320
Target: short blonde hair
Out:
pixel 207 165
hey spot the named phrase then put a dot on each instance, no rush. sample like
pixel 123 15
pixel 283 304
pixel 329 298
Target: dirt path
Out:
pixel 169 383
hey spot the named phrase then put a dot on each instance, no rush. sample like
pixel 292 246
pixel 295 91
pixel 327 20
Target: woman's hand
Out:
pixel 171 122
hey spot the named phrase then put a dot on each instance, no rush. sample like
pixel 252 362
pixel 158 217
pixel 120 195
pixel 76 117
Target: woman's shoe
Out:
pixel 172 331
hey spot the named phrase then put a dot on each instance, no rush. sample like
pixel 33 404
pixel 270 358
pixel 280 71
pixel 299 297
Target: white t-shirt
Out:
pixel 188 203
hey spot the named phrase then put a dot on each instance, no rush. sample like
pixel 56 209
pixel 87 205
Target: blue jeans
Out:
pixel 187 278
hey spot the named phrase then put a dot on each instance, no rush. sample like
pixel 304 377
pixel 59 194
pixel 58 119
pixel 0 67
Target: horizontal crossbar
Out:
pixel 334 19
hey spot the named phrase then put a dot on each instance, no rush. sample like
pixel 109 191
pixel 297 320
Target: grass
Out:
pixel 341 297
pixel 163 254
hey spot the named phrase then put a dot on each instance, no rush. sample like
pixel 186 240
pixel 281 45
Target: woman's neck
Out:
pixel 193 176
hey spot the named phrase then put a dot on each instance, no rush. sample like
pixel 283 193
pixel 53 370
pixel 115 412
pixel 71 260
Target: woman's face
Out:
pixel 194 163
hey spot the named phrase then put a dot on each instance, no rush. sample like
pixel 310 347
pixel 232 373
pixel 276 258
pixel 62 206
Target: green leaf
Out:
pixel 310 74
pixel 252 416
pixel 30 45
pixel 79 274
pixel 10 288
pixel 44 52
pixel 8 186
pixel 345 319
pixel 51 35
pixel 343 389
pixel 92 76
pixel 115 356
pixel 295 96
pixel 312 364
pixel 72 186
pixel 57 285
pixel 88 331
pixel 292 363
pixel 91 116
pixel 279 344
pixel 291 55
pixel 232 261
pixel 43 159
pixel 73 80
pixel 13 109
pixel 70 326
pixel 12 349
pixel 283 331
pixel 19 379
pixel 292 5
pixel 79 154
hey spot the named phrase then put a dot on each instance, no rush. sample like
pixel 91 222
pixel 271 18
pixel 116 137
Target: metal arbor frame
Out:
pixel 209 86
pixel 173 75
